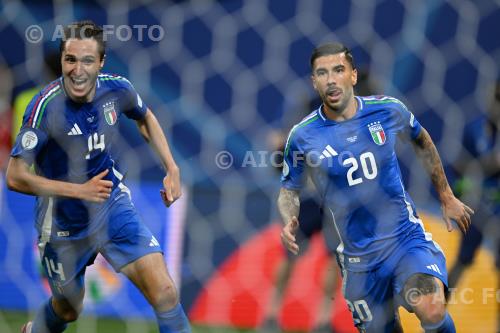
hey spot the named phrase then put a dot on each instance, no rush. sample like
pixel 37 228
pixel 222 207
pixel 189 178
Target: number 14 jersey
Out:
pixel 72 142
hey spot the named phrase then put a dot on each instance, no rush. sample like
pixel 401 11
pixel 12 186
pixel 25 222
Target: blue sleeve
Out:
pixel 293 164
pixel 32 137
pixel 133 107
pixel 407 125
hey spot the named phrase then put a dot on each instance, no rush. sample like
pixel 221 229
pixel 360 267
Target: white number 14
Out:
pixel 95 142
pixel 54 268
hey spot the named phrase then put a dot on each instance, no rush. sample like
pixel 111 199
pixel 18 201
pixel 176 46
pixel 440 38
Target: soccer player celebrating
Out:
pixel 386 257
pixel 83 207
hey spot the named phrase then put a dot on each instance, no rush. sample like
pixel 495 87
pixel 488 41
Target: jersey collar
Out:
pixel 97 86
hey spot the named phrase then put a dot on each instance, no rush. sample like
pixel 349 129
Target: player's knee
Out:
pixel 424 293
pixel 165 299
pixel 432 314
pixel 67 312
pixel 70 315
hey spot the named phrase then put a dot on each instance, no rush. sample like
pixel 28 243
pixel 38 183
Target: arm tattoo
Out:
pixel 428 154
pixel 288 204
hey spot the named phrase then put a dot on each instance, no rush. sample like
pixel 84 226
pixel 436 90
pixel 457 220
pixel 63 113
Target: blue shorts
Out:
pixel 374 296
pixel 122 239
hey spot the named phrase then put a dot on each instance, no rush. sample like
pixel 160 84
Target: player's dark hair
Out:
pixel 81 30
pixel 329 49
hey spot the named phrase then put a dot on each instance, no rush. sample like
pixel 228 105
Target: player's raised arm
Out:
pixel 289 206
pixel 21 179
pixel 152 132
pixel 453 209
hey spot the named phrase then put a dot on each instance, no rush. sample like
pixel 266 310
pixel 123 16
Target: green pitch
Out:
pixel 11 322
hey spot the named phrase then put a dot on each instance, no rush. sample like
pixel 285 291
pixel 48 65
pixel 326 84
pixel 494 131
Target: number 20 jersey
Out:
pixel 354 167
pixel 72 142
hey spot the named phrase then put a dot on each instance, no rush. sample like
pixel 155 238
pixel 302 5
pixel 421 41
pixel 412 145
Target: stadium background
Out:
pixel 226 74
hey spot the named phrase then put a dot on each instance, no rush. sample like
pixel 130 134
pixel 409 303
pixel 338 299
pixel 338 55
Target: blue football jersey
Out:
pixel 354 167
pixel 72 142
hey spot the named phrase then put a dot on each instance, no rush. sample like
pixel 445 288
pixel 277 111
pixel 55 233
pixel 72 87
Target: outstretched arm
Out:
pixel 453 209
pixel 288 206
pixel 21 179
pixel 152 132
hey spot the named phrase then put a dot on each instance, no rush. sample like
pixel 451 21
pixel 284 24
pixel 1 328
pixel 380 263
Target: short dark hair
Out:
pixel 329 49
pixel 81 30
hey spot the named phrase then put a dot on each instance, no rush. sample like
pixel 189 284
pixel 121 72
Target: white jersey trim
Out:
pixel 121 186
pixel 310 116
pixel 46 229
pixel 40 104
pixel 414 219
pixel 340 253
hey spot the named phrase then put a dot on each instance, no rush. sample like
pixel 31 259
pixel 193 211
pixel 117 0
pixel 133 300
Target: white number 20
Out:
pixel 369 172
pixel 362 310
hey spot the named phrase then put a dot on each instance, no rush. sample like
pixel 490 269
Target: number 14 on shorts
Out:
pixel 54 268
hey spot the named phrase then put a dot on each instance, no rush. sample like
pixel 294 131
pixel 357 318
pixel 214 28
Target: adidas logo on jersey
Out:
pixel 153 242
pixel 75 130
pixel 434 268
pixel 328 152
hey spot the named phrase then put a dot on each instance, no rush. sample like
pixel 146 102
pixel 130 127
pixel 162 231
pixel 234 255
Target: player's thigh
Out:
pixel 150 275
pixel 421 279
pixel 64 264
pixel 132 249
pixel 126 238
pixel 369 298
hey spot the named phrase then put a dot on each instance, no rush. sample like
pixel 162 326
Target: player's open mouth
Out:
pixel 334 94
pixel 78 85
pixel 78 82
